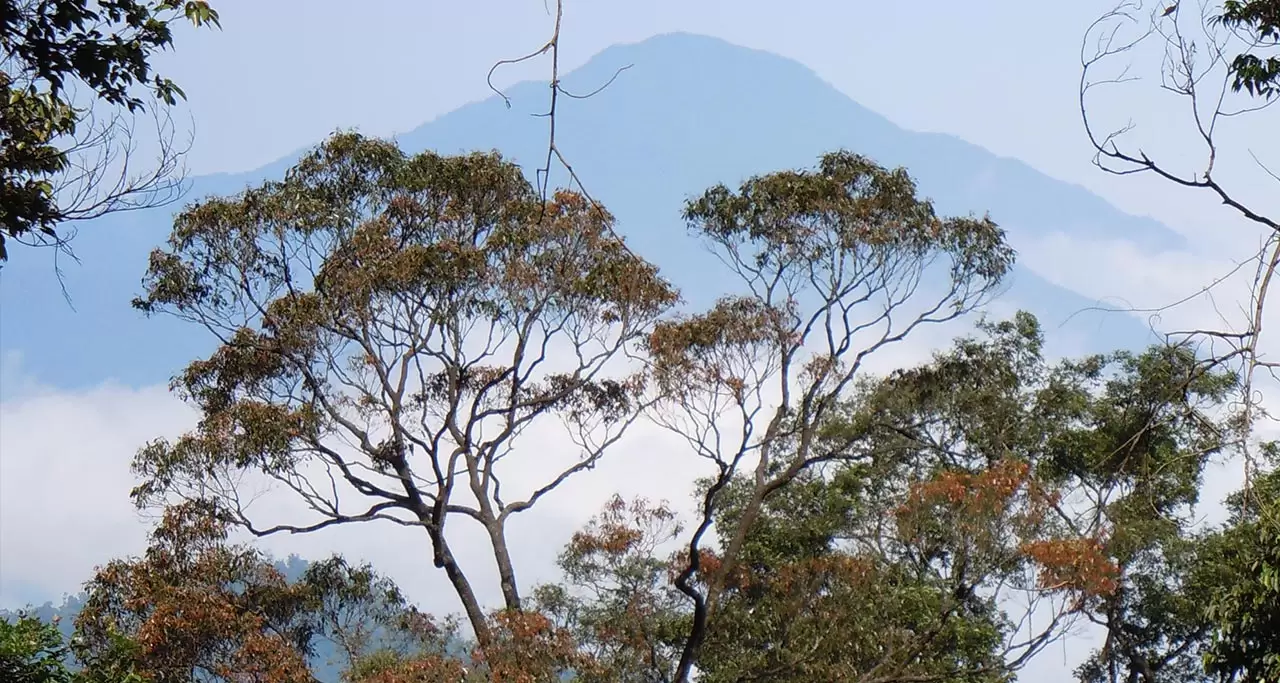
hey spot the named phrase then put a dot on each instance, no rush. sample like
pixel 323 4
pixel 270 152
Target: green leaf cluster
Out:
pixel 51 46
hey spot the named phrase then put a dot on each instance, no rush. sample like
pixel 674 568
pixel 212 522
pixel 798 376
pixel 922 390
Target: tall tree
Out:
pixel 75 74
pixel 390 325
pixel 829 266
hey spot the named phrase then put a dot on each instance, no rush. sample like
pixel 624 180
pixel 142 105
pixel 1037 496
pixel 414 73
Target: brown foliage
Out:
pixel 390 326
pixel 529 648
pixel 1074 564
pixel 194 606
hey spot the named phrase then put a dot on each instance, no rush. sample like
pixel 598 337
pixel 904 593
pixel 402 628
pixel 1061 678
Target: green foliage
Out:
pixel 1257 74
pixel 1116 445
pixel 808 606
pixel 1244 606
pixel 947 489
pixel 49 47
pixel 32 652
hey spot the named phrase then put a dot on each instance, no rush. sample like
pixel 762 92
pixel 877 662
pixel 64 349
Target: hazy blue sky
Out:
pixel 282 74
pixel 1000 73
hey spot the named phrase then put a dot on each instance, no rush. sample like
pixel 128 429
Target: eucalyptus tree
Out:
pixel 829 266
pixel 388 328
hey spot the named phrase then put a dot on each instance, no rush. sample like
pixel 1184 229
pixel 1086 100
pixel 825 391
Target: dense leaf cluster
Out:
pixel 50 49
pixel 390 325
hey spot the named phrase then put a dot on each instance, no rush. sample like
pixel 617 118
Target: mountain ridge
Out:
pixel 690 112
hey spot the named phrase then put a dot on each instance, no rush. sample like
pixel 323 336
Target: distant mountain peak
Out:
pixel 690 112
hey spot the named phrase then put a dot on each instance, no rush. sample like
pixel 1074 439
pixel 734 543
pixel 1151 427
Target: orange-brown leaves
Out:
pixel 978 518
pixel 1074 564
pixel 999 510
pixel 813 574
pixel 984 493
pixel 197 608
pixel 1004 491
pixel 622 530
pixel 195 605
pixel 529 648
pixel 612 540
pixel 719 348
pixel 617 599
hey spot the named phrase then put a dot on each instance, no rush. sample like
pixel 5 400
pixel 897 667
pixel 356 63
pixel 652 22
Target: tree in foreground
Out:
pixel 389 328
pixel 829 266
pixel 75 76
pixel 982 504
pixel 985 501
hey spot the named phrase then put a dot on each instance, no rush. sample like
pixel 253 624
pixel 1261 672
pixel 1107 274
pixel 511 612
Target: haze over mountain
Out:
pixel 687 112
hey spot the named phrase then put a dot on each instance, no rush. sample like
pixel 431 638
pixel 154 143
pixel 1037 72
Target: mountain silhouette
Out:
pixel 684 112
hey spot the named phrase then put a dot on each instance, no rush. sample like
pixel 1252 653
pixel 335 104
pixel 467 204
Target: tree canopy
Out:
pixel 395 336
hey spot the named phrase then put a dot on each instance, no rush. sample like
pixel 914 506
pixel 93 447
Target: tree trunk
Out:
pixel 506 570
pixel 470 604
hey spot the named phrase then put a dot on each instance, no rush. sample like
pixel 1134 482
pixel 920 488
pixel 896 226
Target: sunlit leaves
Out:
pixel 49 48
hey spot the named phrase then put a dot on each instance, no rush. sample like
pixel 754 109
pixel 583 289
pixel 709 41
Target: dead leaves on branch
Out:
pixel 994 520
